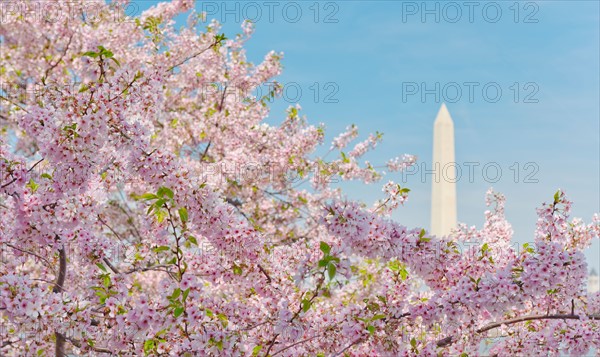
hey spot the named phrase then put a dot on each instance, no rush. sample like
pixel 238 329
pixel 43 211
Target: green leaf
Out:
pixel 48 176
pixel 557 196
pixel 220 37
pixel 325 248
pixel 403 273
pixel 305 305
pixel 485 247
pixel 422 237
pixel 162 191
pixel 378 317
pixel 178 311
pixel 256 350
pixel 104 52
pixel 331 269
pixel 159 203
pixel 193 240
pixel 160 215
pixel 32 185
pixel 413 343
pixel 102 267
pixel 91 54
pixel 345 158
pixel 371 329
pixel 162 248
pixel 183 214
pixel 148 346
pixel 149 196
pixel 186 292
pixel 223 318
pixel 209 313
pixel 237 270
pixel 176 293
pixel 102 297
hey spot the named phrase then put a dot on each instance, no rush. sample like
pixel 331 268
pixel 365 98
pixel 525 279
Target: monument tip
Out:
pixel 443 114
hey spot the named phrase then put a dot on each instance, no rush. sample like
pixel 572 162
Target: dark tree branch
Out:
pixel 59 350
pixel 295 344
pixel 192 56
pixel 450 339
pixel 15 179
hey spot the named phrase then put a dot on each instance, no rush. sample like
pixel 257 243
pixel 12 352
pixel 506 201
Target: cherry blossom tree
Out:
pixel 149 209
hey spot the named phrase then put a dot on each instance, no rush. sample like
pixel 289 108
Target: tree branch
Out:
pixel 295 344
pixel 190 57
pixel 347 347
pixel 59 350
pixel 30 252
pixel 450 339
pixel 15 179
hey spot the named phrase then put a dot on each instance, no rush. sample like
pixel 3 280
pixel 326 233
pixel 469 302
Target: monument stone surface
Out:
pixel 443 193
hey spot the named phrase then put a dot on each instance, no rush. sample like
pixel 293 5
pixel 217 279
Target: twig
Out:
pixel 190 57
pixel 450 339
pixel 205 151
pixel 52 66
pixel 30 252
pixel 15 104
pixel 348 347
pixel 265 273
pixel 77 344
pixel 295 344
pixel 153 267
pixel 15 179
pixel 112 267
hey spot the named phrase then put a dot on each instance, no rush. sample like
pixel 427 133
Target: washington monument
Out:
pixel 443 192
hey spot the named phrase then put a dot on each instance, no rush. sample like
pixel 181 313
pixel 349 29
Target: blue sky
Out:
pixel 367 56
